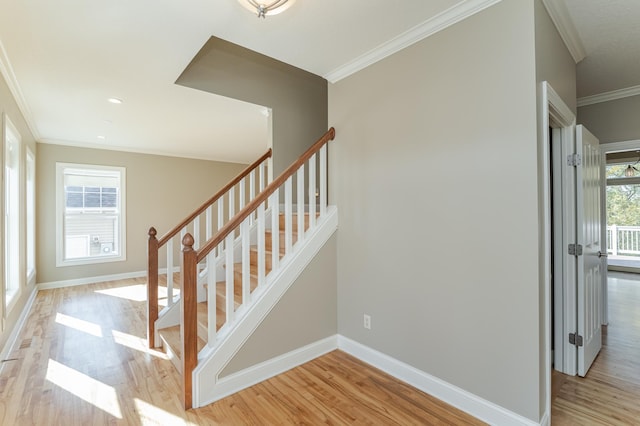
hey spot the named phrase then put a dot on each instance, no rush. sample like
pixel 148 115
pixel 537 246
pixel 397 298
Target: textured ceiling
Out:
pixel 610 34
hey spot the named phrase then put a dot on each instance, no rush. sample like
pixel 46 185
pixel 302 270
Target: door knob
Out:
pixel 601 254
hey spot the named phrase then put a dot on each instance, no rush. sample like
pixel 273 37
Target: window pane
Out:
pixel 109 200
pixel 74 199
pixel 92 199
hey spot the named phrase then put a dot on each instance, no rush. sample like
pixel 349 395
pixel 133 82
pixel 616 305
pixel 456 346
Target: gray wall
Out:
pixel 305 314
pixel 298 98
pixel 434 172
pixel 9 107
pixel 613 121
pixel 158 194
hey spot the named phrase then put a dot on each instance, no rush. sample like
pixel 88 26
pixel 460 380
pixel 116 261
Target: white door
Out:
pixel 590 264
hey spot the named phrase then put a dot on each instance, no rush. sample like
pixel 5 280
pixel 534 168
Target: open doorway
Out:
pixel 623 210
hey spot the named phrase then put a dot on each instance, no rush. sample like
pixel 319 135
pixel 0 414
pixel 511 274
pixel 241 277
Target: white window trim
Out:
pixel 30 242
pixel 60 208
pixel 10 127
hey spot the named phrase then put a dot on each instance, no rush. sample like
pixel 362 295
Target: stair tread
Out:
pixel 171 336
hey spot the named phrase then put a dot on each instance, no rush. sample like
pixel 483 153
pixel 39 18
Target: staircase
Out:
pixel 170 336
pixel 228 284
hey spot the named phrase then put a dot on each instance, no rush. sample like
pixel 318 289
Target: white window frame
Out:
pixel 10 130
pixel 60 210
pixel 30 214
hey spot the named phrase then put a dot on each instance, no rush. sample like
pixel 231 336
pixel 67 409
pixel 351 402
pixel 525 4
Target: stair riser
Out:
pixel 268 240
pixel 294 220
pixel 267 257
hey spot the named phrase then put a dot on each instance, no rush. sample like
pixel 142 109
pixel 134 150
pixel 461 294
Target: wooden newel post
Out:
pixel 152 286
pixel 188 311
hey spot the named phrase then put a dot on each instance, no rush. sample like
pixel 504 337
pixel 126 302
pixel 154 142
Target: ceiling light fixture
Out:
pixel 630 171
pixel 265 8
pixel 115 101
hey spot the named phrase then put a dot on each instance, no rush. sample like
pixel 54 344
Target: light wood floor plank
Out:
pixel 610 393
pixel 82 359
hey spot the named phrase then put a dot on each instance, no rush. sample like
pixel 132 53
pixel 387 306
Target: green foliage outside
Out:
pixel 623 201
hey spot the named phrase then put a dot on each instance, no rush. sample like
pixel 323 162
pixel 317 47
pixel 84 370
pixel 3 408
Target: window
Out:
pixel 31 215
pixel 91 214
pixel 11 258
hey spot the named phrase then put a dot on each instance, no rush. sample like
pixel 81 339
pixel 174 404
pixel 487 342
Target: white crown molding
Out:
pixel 609 96
pixel 563 22
pixel 7 72
pixel 421 31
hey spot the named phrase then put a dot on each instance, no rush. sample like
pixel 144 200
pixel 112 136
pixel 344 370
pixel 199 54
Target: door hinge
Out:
pixel 574 160
pixel 575 249
pixel 575 339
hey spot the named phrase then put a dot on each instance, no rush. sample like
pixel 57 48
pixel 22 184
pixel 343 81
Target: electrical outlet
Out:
pixel 367 322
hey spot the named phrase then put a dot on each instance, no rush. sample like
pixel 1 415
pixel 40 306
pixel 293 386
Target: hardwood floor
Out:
pixel 610 393
pixel 81 359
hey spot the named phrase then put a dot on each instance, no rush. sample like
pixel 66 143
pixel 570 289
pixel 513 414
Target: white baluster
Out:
pixel 242 193
pixel 211 298
pixel 323 180
pixel 170 272
pixel 288 226
pixel 246 261
pixel 275 226
pixel 252 191
pixel 232 203
pixel 229 279
pixel 261 254
pixel 262 180
pixel 300 203
pixel 220 213
pixel 220 223
pixel 196 233
pixel 312 191
pixel 209 222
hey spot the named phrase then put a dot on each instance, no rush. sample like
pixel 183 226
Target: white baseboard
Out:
pixel 11 340
pixel 97 279
pixel 545 420
pixel 453 395
pixel 253 375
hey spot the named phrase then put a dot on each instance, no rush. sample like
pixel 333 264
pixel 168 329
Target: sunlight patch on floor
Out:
pixel 152 415
pixel 80 325
pixel 137 293
pixel 136 343
pixel 84 387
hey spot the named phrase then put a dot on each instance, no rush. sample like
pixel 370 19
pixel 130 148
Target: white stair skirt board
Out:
pixel 11 340
pixel 206 380
pixel 466 401
pixel 265 370
pixel 98 279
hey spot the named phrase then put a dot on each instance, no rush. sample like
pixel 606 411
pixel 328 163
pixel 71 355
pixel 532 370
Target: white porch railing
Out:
pixel 623 240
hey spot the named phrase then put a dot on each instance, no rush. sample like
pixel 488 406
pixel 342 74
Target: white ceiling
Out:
pixel 67 57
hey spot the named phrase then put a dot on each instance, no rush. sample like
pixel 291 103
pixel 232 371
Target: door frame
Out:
pixel 606 148
pixel 555 114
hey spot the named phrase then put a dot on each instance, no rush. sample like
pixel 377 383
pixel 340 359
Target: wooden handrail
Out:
pixel 154 244
pixel 233 223
pixel 166 237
